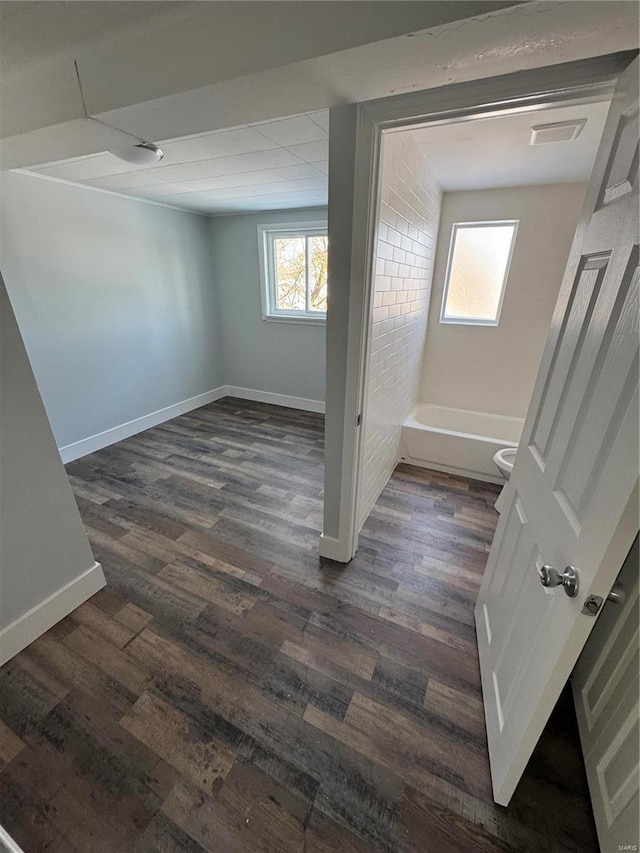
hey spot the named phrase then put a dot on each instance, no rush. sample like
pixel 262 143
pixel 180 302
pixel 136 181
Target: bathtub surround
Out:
pixel 492 369
pixel 115 301
pixel 410 200
pixel 282 358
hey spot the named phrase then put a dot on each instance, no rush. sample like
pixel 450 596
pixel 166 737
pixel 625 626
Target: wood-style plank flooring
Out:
pixel 229 692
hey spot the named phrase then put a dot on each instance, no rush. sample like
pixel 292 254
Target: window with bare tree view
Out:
pixel 294 267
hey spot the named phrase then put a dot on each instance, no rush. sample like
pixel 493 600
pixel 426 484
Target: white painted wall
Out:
pixel 46 565
pixel 343 333
pixel 161 82
pixel 493 368
pixel 410 200
pixel 278 358
pixel 115 300
pixel 274 62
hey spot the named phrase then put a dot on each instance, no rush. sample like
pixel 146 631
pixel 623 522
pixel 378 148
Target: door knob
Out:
pixel 568 579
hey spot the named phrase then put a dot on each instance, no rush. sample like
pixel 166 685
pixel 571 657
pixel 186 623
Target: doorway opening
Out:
pixel 584 397
pixel 474 226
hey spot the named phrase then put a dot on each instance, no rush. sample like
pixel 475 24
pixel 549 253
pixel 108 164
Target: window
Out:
pixel 293 268
pixel 477 271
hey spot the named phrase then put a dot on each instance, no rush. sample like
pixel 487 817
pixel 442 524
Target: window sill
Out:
pixel 302 320
pixel 470 322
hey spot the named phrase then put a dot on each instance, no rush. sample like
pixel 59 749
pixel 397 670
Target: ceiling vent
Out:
pixel 561 131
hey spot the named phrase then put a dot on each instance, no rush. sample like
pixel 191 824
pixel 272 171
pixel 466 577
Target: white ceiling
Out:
pixel 33 30
pixel 213 73
pixel 495 152
pixel 263 166
pixel 283 164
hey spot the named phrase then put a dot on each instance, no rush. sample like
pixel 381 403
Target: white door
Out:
pixel 572 496
pixel 606 685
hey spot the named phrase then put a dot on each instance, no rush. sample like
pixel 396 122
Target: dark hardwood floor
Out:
pixel 228 692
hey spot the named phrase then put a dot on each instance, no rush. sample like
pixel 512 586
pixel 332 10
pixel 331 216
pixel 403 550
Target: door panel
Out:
pixel 568 349
pixel 574 482
pixel 606 685
pixel 600 402
pixel 622 169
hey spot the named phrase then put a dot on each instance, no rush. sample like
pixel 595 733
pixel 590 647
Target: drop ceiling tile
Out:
pixel 295 173
pixel 238 164
pixel 158 190
pixel 208 146
pixel 257 205
pixel 319 183
pixel 292 131
pixel 270 165
pixel 200 169
pixel 124 181
pixel 321 118
pixel 311 152
pixel 292 199
pixel 83 168
pixel 223 182
pixel 239 192
pixel 322 166
pixel 263 201
pixel 272 159
pixel 197 170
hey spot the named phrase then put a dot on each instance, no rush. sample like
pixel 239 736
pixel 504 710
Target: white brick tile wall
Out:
pixel 407 233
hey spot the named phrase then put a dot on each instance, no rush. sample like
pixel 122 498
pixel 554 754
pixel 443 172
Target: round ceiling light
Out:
pixel 142 154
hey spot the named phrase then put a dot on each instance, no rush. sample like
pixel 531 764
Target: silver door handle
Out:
pixel 568 579
pixel 617 594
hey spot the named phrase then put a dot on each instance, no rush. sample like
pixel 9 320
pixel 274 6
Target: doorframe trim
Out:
pixel 589 79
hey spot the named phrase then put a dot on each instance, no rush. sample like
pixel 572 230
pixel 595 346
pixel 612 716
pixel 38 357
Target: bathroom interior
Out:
pixel 475 223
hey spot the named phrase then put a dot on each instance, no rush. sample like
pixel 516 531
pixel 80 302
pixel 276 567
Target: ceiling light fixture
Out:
pixel 560 131
pixel 141 153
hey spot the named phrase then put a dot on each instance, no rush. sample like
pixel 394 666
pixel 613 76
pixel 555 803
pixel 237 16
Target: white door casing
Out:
pixel 606 686
pixel 354 146
pixel 572 496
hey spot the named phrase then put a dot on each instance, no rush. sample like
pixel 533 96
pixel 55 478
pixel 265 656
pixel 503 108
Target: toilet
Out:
pixel 504 460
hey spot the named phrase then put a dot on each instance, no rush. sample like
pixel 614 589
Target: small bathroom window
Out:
pixel 477 271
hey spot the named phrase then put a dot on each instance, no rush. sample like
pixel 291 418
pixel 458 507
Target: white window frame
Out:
pixel 476 321
pixel 266 236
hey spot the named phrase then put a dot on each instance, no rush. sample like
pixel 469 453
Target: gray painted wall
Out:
pixel 43 545
pixel 114 299
pixel 282 358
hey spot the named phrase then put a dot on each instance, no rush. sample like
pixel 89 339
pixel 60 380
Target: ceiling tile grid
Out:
pixel 266 165
pixel 280 164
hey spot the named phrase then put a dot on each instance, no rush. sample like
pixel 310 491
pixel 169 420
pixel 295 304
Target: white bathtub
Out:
pixel 458 441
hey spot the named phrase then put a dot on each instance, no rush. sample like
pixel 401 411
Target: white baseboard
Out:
pixel 275 399
pixel 451 469
pixel 45 615
pixel 334 549
pixel 110 436
pixel 7 844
